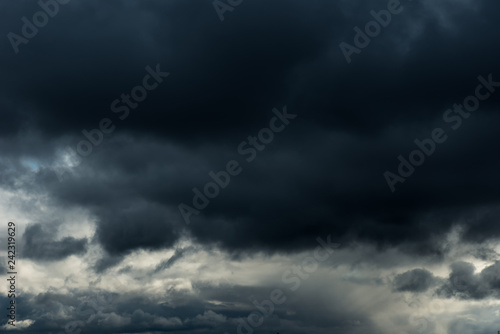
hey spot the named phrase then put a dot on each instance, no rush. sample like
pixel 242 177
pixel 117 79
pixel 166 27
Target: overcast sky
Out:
pixel 251 166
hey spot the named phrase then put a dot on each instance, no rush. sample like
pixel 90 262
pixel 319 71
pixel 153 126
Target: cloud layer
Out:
pixel 86 218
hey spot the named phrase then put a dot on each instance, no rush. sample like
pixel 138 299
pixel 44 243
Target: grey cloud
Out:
pixel 464 283
pixel 416 280
pixel 40 244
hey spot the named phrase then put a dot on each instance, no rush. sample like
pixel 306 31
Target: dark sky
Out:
pixel 172 161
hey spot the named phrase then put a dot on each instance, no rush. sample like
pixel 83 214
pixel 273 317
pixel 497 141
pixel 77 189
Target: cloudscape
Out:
pixel 250 166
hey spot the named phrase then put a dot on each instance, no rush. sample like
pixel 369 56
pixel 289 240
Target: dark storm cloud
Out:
pixel 464 283
pixel 416 280
pixel 208 60
pixel 119 231
pixel 322 175
pixel 40 244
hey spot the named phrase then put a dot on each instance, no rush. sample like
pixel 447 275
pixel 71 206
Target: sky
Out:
pixel 237 166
